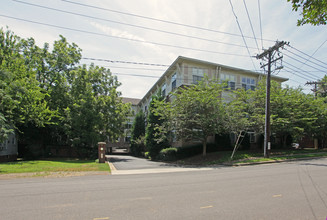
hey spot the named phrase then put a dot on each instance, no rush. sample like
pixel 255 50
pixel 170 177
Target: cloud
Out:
pixel 123 34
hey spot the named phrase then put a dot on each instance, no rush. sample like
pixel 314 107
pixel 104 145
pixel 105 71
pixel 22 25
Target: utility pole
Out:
pixel 269 56
pixel 315 83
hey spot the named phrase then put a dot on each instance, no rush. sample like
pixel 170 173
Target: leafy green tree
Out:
pixel 312 11
pixel 22 100
pixel 44 92
pixel 154 141
pixel 138 133
pixel 96 111
pixel 237 118
pixel 322 87
pixel 194 113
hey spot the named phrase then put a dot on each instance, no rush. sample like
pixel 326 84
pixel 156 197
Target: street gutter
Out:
pixel 270 161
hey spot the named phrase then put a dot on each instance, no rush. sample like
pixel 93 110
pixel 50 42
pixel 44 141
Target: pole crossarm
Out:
pixel 271 49
pixel 269 55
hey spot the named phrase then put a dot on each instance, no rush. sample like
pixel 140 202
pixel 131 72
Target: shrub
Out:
pixel 147 155
pixel 189 151
pixel 168 154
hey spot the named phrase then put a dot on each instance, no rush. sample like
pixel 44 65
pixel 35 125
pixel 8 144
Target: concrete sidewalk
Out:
pixel 123 164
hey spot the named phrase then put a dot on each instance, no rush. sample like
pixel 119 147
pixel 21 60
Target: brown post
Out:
pixel 102 152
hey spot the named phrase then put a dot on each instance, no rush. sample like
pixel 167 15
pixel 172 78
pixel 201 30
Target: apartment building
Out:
pixel 9 149
pixel 123 142
pixel 185 71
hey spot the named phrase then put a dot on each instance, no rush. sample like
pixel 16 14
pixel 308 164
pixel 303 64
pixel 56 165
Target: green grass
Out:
pixel 275 155
pixel 62 165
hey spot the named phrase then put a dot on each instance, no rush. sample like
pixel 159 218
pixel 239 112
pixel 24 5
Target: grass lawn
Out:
pixel 52 165
pixel 247 156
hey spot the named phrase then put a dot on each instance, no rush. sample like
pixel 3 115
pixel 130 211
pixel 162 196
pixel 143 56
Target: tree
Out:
pixel 96 111
pixel 137 136
pixel 44 92
pixel 194 113
pixel 322 87
pixel 22 100
pixel 155 141
pixel 237 119
pixel 312 11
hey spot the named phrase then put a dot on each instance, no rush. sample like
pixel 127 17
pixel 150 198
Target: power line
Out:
pixel 247 12
pixel 158 20
pixel 260 23
pixel 137 75
pixel 304 63
pixel 131 25
pixel 126 62
pixel 306 59
pixel 301 71
pixel 123 38
pixel 315 51
pixel 239 27
pixel 293 72
pixel 310 56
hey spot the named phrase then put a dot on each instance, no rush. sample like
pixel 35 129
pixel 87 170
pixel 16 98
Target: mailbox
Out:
pixel 102 152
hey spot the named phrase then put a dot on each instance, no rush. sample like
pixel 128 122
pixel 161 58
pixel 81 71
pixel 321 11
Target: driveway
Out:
pixel 125 164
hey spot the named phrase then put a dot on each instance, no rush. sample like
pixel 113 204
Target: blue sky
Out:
pixel 120 36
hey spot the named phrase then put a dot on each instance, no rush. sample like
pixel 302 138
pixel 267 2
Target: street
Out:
pixel 294 190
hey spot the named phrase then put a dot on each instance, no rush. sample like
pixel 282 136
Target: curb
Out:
pixel 272 161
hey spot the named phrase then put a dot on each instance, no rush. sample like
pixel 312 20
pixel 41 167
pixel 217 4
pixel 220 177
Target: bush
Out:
pixel 189 151
pixel 168 154
pixel 147 155
pixel 96 161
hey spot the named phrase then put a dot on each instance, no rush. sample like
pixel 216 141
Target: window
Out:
pixel 173 82
pixel 128 125
pixel 248 83
pixel 163 90
pixel 198 74
pixel 197 79
pixel 230 79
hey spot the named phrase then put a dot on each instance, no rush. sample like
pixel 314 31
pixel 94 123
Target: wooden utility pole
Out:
pixel 269 56
pixel 315 83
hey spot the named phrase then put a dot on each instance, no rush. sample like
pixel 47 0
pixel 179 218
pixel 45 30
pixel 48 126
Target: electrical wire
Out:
pixel 131 25
pixel 293 72
pixel 306 60
pixel 301 71
pixel 247 12
pixel 310 56
pixel 123 38
pixel 304 63
pixel 239 27
pixel 260 23
pixel 158 20
pixel 125 62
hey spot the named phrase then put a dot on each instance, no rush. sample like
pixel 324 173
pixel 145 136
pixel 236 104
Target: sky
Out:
pixel 144 36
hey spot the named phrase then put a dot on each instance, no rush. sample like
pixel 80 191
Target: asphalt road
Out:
pixel 126 162
pixel 296 190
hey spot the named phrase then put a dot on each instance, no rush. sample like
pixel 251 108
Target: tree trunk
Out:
pixel 284 138
pixel 204 153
